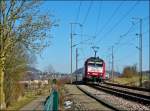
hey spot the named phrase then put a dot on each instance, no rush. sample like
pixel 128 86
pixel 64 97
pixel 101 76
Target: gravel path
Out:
pixel 123 103
pixel 81 101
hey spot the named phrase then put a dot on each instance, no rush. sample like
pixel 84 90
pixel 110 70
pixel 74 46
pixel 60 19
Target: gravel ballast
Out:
pixel 122 103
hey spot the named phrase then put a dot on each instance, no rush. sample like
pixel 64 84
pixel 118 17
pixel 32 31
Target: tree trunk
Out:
pixel 2 94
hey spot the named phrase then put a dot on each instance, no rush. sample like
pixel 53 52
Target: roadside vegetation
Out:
pixel 134 81
pixel 22 35
pixel 22 102
pixel 131 77
pixel 61 90
pixel 28 97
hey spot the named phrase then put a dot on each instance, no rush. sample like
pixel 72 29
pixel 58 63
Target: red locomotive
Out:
pixel 94 70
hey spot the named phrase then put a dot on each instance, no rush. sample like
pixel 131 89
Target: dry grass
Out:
pixel 131 81
pixel 61 91
pixel 29 96
pixel 22 102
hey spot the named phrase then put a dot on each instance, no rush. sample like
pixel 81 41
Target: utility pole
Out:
pixel 71 52
pixel 77 58
pixel 76 61
pixel 112 72
pixel 140 50
pixel 71 37
pixel 109 64
pixel 149 52
pixel 140 54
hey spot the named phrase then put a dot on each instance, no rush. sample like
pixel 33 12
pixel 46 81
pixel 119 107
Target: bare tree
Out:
pixel 50 69
pixel 21 22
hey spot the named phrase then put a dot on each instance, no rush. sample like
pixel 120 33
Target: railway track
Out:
pixel 132 96
pixel 112 100
pixel 141 92
pixel 128 87
pixel 137 96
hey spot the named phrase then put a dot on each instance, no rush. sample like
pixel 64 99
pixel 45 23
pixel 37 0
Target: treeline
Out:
pixel 23 32
pixel 129 71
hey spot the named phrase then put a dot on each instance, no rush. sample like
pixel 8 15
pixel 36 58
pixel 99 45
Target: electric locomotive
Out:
pixel 94 70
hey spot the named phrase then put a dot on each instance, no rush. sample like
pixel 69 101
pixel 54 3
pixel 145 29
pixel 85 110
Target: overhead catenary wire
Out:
pixel 81 33
pixel 133 38
pixel 128 43
pixel 121 37
pixel 78 11
pixel 118 22
pixel 88 11
pixel 98 16
pixel 83 54
pixel 110 18
pixel 84 21
pixel 127 34
pixel 76 21
pixel 124 35
pixel 130 30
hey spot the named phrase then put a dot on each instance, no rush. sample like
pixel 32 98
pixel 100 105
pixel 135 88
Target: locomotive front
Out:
pixel 94 70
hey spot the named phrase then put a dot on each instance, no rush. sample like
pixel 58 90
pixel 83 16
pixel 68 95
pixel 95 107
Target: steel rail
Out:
pixel 131 91
pixel 129 87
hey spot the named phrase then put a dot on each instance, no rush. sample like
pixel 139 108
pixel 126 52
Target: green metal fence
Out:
pixel 51 103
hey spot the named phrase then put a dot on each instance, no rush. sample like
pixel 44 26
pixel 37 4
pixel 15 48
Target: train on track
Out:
pixel 94 70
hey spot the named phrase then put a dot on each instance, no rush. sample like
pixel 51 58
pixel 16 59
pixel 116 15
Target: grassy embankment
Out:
pixel 134 80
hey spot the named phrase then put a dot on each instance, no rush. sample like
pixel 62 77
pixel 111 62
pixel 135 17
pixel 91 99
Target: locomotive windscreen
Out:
pixel 95 64
pixel 95 67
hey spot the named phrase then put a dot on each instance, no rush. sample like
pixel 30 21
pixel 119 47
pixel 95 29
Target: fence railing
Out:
pixel 51 103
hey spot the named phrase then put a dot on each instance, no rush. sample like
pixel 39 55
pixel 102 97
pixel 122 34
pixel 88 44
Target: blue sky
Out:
pixel 107 20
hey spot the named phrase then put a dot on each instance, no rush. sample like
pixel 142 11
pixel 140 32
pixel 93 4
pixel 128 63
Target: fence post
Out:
pixel 55 100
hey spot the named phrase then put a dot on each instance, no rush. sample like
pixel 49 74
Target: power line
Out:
pixel 86 16
pixel 129 31
pixel 110 18
pixel 117 23
pixel 122 36
pixel 129 43
pixel 98 16
pixel 83 54
pixel 78 13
